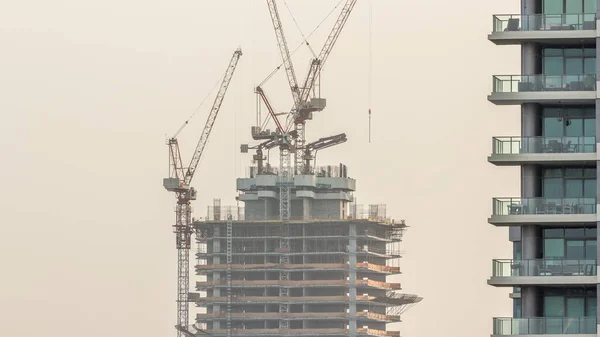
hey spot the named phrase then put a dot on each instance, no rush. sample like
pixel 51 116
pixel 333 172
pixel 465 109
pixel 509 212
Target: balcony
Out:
pixel 241 332
pixel 557 326
pixel 540 88
pixel 542 150
pixel 562 29
pixel 324 316
pixel 512 273
pixel 203 285
pixel 543 211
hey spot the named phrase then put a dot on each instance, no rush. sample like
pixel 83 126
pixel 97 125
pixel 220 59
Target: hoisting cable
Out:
pixel 370 71
pixel 303 42
pixel 299 29
pixel 196 110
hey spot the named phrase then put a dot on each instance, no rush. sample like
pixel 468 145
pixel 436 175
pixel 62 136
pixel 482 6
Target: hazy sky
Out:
pixel 89 89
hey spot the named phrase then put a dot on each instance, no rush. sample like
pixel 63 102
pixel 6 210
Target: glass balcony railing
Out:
pixel 544 325
pixel 541 82
pixel 528 145
pixel 544 22
pixel 543 267
pixel 528 206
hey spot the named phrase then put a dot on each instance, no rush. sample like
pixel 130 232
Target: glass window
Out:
pixel 553 188
pixel 554 233
pixel 554 306
pixel 590 249
pixel 553 6
pixel 554 248
pixel 517 250
pixel 574 172
pixel 553 127
pixel 590 309
pixel 589 172
pixel 574 6
pixel 569 182
pixel 554 173
pixel 589 127
pixel 574 232
pixel 573 52
pixel 569 61
pixel 573 188
pixel 589 188
pixel 589 6
pixel 575 307
pixel 553 65
pixel 589 65
pixel 590 232
pixel 574 127
pixel 517 307
pixel 575 249
pixel 574 66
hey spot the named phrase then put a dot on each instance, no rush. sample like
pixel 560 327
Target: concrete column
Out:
pixel 530 241
pixel 216 275
pixel 306 211
pixel 304 292
pixel 530 187
pixel 530 180
pixel 529 6
pixel 529 294
pixel 529 21
pixel 529 302
pixel 352 278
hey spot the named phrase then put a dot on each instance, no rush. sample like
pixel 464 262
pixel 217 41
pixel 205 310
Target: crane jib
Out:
pixel 212 117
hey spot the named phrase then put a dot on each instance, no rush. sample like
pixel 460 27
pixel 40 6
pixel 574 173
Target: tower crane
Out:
pixel 293 141
pixel 179 182
pixel 304 108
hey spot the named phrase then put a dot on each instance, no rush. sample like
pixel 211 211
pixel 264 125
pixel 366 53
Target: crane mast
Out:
pixel 304 109
pixel 293 141
pixel 179 182
pixel 317 63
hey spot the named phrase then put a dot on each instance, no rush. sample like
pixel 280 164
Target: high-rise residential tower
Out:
pixel 553 222
pixel 322 273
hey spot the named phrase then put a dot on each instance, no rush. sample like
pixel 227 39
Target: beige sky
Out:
pixel 90 88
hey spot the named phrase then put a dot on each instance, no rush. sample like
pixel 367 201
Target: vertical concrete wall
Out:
pixel 530 182
pixel 327 209
pixel 262 209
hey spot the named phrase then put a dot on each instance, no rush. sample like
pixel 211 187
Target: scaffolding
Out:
pixel 268 268
pixel 229 263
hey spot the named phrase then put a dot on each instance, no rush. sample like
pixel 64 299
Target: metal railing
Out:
pixel 544 325
pixel 330 171
pixel 542 82
pixel 221 213
pixel 544 267
pixel 528 206
pixel 540 144
pixel 543 22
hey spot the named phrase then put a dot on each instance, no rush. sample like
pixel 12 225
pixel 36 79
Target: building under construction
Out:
pixel 322 273
pixel 300 258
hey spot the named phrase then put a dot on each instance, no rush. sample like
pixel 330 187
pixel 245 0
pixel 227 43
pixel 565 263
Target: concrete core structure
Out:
pixel 332 281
